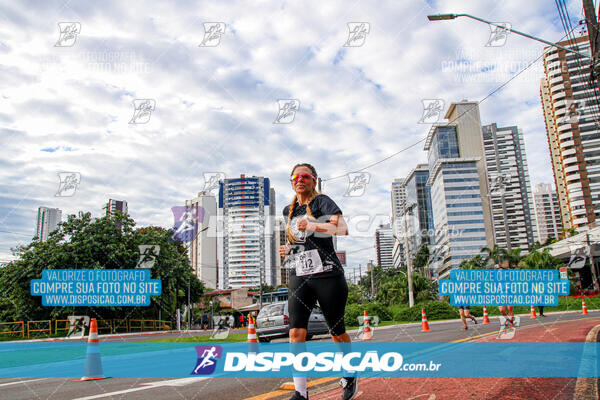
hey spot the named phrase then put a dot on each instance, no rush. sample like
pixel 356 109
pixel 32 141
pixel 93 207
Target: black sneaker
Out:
pixel 350 386
pixel 298 396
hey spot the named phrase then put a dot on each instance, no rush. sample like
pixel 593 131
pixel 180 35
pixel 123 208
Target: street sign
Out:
pixel 563 273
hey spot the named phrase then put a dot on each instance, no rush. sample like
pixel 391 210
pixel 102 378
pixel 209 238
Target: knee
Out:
pixel 297 335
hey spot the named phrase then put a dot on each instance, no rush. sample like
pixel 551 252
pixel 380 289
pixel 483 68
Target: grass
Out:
pixel 235 337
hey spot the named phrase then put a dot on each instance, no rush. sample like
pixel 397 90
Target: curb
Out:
pixel 586 388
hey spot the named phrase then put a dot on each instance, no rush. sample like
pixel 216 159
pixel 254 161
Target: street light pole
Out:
pixel 442 17
pixel 411 299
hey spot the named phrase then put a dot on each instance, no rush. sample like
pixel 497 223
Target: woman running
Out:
pixel 315 271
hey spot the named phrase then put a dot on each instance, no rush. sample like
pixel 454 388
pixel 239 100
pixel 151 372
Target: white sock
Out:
pixel 300 385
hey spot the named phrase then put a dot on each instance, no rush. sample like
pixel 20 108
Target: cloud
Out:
pixel 215 106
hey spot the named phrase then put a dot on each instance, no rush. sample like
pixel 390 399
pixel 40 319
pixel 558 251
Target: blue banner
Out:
pixel 366 359
pixel 501 287
pixel 96 287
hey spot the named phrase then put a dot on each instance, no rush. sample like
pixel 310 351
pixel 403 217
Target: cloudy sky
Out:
pixel 67 103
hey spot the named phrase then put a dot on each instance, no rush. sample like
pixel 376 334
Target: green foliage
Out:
pixel 421 259
pixel 435 310
pixel 476 262
pixel 353 311
pixel 394 290
pixel 103 243
pixel 541 260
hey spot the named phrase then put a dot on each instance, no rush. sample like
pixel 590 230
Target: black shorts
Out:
pixel 332 293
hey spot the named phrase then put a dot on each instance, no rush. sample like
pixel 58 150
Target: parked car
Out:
pixel 273 321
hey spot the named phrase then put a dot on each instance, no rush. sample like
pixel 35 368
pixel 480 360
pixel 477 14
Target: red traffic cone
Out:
pixel 533 314
pixel 583 307
pixel 93 364
pixel 486 319
pixel 252 338
pixel 367 334
pixel 424 323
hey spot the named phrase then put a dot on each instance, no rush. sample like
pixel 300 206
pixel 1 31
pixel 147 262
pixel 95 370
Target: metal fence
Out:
pixel 61 327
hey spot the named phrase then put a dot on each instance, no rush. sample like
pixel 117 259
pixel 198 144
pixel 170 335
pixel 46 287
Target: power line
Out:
pixel 449 122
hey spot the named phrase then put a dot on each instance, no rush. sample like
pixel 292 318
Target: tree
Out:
pixel 476 262
pixel 514 257
pixel 567 232
pixel 102 243
pixel 495 254
pixel 541 260
pixel 421 259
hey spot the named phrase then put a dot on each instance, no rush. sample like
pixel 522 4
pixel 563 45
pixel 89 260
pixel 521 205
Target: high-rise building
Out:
pixel 283 274
pixel 419 221
pixel 572 113
pixel 547 212
pixel 510 195
pixel 247 236
pixel 384 245
pixel 459 187
pixel 47 221
pixel 202 250
pixel 116 205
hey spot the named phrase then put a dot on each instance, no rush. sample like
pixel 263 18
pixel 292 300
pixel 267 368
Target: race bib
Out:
pixel 307 263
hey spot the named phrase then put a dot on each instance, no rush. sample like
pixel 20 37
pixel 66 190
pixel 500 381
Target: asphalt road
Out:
pixel 244 388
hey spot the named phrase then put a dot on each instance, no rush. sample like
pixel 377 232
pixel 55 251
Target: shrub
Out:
pixel 435 310
pixel 353 311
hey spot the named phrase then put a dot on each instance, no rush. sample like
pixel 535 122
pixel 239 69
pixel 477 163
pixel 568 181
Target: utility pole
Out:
pixel 593 36
pixel 359 273
pixel 592 265
pixel 319 184
pixel 189 307
pixel 372 281
pixel 411 299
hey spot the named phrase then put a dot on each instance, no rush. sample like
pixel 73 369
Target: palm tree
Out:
pixel 541 260
pixel 495 254
pixel 567 232
pixel 514 257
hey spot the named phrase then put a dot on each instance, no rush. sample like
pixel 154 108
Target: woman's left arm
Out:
pixel 336 226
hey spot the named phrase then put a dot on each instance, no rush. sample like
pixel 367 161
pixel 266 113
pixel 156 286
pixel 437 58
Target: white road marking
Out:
pixel 145 386
pixel 19 382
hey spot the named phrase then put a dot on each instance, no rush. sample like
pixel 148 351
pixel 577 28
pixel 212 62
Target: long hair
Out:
pixel 314 194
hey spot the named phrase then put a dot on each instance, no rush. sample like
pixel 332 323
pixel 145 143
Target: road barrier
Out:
pixel 64 328
pixel 21 331
pixel 48 329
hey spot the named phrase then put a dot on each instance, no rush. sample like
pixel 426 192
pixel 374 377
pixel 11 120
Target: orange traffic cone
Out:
pixel 424 323
pixel 252 338
pixel 583 307
pixel 93 364
pixel 486 319
pixel 367 334
pixel 533 315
